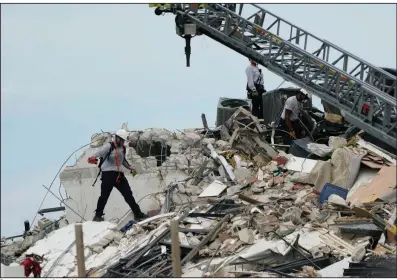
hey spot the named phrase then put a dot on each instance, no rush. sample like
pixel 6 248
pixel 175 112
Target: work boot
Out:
pixel 141 216
pixel 98 219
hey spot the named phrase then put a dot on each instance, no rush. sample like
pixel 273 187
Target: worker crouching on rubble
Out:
pixel 255 88
pixel 112 157
pixel 290 117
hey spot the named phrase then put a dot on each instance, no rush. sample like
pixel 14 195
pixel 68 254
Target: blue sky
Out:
pixel 68 71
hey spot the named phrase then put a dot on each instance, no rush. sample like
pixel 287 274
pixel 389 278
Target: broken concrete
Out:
pixel 236 201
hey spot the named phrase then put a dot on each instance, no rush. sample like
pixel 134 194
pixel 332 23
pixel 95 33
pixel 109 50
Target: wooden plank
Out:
pixel 78 229
pixel 175 249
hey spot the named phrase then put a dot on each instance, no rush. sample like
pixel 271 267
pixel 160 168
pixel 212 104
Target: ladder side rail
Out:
pixel 327 96
pixel 387 74
pixel 374 72
pixel 243 20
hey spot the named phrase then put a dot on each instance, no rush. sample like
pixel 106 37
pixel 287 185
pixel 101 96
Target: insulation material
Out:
pixel 336 142
pixel 214 189
pixel 382 184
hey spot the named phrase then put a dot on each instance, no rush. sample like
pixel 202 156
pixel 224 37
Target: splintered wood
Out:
pixel 382 184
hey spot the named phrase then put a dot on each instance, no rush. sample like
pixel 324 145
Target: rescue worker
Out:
pixel 255 88
pixel 289 121
pixel 113 156
pixel 32 265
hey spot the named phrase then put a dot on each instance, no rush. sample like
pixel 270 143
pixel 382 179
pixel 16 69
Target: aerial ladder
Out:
pixel 365 94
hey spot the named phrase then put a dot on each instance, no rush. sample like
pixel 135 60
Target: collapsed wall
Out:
pixel 159 157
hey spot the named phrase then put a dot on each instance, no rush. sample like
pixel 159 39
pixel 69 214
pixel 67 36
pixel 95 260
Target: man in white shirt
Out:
pixel 289 117
pixel 255 88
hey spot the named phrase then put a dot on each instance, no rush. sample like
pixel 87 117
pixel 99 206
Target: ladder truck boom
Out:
pixel 365 94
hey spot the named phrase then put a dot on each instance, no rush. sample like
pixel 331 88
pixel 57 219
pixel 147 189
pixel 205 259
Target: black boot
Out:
pixel 141 216
pixel 98 218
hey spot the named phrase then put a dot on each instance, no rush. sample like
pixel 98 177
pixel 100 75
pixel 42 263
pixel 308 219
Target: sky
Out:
pixel 69 71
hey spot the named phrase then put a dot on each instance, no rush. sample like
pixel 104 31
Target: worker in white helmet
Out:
pixel 289 121
pixel 255 88
pixel 112 156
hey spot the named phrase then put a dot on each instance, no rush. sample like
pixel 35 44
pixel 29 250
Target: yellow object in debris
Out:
pixel 152 5
pixel 391 228
pixel 352 142
pixel 334 118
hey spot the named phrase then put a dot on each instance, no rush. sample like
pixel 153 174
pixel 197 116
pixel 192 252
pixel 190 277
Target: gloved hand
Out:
pixel 92 160
pixel 254 92
pixel 292 134
pixel 133 172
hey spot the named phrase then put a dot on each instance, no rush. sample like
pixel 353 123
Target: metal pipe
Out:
pixel 187 49
pixel 50 210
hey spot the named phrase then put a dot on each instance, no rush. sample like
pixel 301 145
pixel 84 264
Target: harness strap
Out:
pixel 102 161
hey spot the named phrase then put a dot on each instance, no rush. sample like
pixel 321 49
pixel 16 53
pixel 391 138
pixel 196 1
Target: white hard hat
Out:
pixel 123 134
pixel 304 91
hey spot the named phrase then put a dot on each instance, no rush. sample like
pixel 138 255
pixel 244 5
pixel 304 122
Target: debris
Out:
pixel 359 253
pixel 301 164
pixel 246 236
pixel 335 269
pixel 223 161
pixel 293 215
pixel 382 184
pixel 214 189
pixel 243 207
pixel 336 199
pixel 329 190
pixel 376 151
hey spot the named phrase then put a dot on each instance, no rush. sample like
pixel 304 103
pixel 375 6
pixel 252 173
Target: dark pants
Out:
pixel 296 126
pixel 108 182
pixel 257 106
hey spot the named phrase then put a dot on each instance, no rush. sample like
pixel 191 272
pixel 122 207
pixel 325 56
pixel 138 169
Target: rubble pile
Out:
pixel 253 210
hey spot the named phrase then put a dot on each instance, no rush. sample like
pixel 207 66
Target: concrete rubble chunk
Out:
pixel 260 160
pixel 286 228
pixel 243 175
pixel 207 141
pixel 214 245
pixel 247 236
pixel 222 145
pixel 293 215
pixel 265 223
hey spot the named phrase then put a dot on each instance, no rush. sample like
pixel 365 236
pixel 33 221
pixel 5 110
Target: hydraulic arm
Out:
pixel 365 94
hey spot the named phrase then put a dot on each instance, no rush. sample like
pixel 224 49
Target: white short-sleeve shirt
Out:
pixel 294 105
